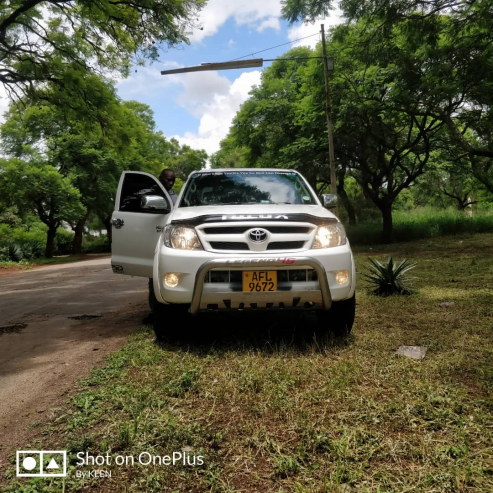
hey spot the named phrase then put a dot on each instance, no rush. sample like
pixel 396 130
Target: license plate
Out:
pixel 259 281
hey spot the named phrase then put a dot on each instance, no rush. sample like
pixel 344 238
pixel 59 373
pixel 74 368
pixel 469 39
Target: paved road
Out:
pixel 44 350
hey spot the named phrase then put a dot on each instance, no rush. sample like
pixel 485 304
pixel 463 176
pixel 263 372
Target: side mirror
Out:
pixel 154 203
pixel 329 200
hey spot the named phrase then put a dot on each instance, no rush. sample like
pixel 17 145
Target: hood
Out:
pixel 281 212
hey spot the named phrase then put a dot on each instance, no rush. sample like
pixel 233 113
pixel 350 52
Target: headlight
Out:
pixel 181 237
pixel 331 235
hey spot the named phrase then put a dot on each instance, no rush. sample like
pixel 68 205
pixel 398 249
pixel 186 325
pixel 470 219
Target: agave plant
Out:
pixel 14 251
pixel 389 278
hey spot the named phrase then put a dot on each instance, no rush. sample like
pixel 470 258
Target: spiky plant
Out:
pixel 389 278
pixel 14 251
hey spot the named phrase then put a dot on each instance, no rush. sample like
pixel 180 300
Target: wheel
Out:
pixel 152 296
pixel 169 320
pixel 161 319
pixel 339 319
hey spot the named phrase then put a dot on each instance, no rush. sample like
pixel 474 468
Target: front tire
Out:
pixel 152 296
pixel 339 319
pixel 170 320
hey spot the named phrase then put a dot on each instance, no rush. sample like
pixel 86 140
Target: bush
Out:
pixel 96 244
pixel 23 243
pixel 20 243
pixel 10 251
pixel 63 241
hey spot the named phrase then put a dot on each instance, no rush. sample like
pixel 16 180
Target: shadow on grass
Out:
pixel 269 333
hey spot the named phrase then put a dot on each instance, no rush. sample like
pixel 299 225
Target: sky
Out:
pixel 198 108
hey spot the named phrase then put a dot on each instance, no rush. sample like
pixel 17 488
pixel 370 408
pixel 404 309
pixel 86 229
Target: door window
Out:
pixel 135 186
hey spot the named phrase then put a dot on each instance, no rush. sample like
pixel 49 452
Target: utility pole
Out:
pixel 328 113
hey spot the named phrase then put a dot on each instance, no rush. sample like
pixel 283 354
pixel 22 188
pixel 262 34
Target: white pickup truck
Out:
pixel 236 239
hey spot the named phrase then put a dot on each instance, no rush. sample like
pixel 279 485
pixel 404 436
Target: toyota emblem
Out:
pixel 258 235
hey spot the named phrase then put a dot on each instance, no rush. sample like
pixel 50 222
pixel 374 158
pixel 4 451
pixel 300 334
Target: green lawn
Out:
pixel 270 408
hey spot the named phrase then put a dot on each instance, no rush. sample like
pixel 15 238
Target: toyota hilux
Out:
pixel 236 239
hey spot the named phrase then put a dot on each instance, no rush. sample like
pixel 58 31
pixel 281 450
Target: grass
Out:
pixel 271 408
pixel 421 224
pixel 29 264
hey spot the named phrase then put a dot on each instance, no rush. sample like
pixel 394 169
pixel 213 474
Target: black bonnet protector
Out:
pixel 230 218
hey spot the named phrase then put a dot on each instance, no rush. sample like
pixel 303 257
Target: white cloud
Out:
pixel 245 12
pixel 272 22
pixel 303 30
pixel 200 89
pixel 211 98
pixel 216 104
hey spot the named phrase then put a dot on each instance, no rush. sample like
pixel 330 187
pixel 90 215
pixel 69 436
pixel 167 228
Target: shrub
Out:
pixel 18 243
pixel 11 251
pixel 389 278
pixel 63 241
pixel 33 249
pixel 5 232
pixel 96 244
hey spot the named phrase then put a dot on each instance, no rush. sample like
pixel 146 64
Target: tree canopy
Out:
pixel 60 41
pixel 89 155
pixel 411 91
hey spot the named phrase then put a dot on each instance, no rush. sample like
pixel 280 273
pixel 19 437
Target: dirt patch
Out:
pixel 11 329
pixel 57 326
pixel 52 376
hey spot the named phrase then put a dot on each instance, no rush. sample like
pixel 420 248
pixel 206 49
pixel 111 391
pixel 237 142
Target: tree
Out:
pixel 267 127
pixel 60 41
pixel 184 160
pixel 92 155
pixel 40 188
pixel 446 61
pixel 381 139
pixel 230 155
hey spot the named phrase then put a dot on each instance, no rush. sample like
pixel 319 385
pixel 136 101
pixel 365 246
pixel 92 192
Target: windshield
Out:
pixel 246 187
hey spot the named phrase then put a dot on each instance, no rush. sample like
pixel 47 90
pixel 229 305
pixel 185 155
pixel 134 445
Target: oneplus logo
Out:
pixel 41 463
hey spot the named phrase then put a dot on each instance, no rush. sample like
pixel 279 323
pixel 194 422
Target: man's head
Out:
pixel 167 178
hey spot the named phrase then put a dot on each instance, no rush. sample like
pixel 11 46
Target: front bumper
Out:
pixel 193 267
pixel 203 299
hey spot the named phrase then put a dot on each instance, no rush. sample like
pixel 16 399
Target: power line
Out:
pixel 267 49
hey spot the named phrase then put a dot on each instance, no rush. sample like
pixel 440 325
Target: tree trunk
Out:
pixel 347 205
pixel 388 228
pixel 50 242
pixel 79 231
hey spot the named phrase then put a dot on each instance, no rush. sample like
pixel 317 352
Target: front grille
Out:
pixel 229 245
pixel 288 230
pixel 285 245
pixel 234 230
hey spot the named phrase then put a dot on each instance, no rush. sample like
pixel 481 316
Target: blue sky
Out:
pixel 198 108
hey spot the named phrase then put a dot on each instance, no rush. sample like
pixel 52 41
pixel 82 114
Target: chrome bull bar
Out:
pixel 262 263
